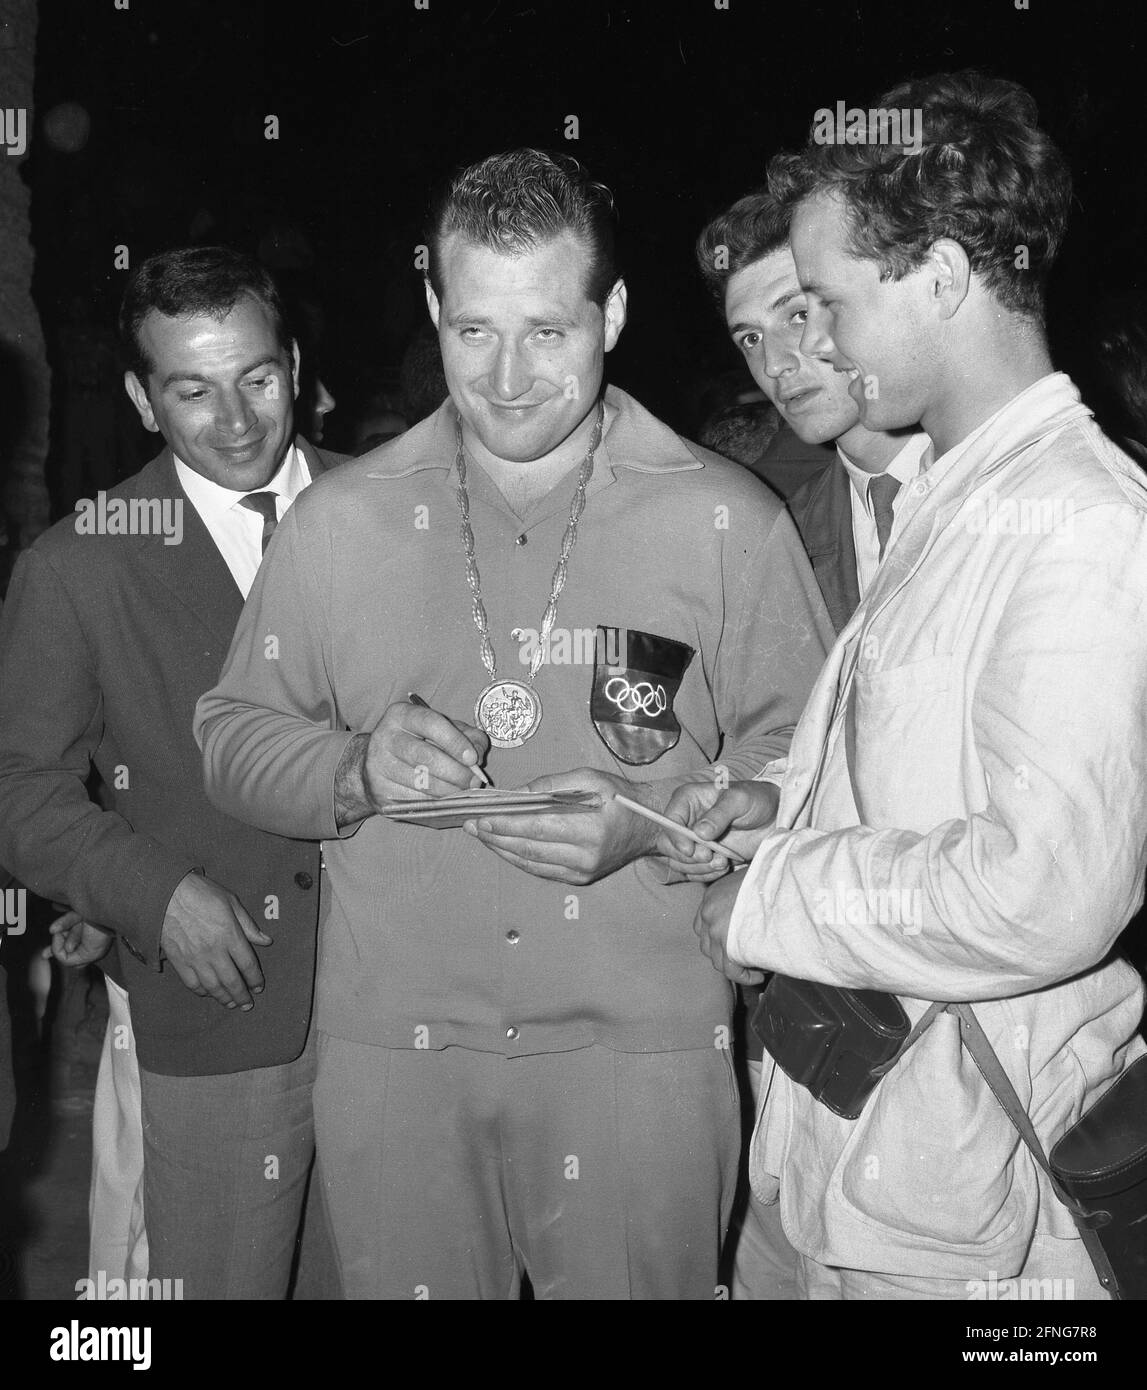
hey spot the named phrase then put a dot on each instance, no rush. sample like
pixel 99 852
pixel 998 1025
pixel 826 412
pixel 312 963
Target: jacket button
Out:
pixel 304 880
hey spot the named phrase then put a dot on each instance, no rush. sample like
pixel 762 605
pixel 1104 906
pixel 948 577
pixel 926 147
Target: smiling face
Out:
pixel 522 346
pixel 765 311
pixel 220 391
pixel 876 333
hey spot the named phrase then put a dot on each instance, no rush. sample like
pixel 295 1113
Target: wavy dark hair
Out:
pixel 518 200
pixel 195 280
pixel 754 227
pixel 983 174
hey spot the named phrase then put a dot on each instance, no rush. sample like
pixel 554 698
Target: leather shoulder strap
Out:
pixel 991 1069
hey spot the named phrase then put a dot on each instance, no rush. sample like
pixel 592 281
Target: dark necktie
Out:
pixel 882 490
pixel 264 504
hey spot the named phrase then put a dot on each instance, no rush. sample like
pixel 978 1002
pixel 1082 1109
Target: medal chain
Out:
pixel 569 540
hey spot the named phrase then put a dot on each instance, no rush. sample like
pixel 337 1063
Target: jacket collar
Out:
pixel 1046 408
pixel 633 439
pixel 318 460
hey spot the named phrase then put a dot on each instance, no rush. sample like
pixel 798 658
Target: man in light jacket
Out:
pixel 963 811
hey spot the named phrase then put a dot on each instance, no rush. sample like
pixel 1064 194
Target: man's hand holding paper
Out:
pixel 574 848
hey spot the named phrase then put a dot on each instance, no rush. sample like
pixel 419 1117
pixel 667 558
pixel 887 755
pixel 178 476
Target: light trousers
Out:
pixel 599 1175
pixel 765 1265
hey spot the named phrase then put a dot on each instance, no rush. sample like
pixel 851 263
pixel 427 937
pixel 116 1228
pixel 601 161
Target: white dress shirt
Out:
pixel 238 531
pixel 913 458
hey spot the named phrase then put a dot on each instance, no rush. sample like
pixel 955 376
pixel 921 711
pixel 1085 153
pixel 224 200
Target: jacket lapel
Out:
pixel 823 515
pixel 194 570
pixel 843 593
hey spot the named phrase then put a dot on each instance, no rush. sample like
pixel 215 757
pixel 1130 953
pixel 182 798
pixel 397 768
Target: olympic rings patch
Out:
pixel 648 698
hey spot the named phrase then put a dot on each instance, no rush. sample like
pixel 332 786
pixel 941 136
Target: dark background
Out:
pixel 679 107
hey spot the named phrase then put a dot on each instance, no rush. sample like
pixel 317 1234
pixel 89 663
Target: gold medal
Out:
pixel 509 711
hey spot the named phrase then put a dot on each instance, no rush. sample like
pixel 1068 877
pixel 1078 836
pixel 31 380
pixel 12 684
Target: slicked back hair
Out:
pixel 517 201
pixel 981 172
pixel 754 227
pixel 195 280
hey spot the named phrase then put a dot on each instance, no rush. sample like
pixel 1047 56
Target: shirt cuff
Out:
pixel 773 772
pixel 332 830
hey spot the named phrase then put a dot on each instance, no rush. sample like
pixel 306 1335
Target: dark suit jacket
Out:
pixel 822 510
pixel 106 643
pixel 788 462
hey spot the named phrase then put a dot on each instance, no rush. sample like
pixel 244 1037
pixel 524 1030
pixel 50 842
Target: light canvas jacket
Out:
pixel 963 817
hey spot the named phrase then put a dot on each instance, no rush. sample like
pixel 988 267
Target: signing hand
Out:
pixel 76 942
pixel 736 816
pixel 205 935
pixel 412 752
pixel 580 847
pixel 712 927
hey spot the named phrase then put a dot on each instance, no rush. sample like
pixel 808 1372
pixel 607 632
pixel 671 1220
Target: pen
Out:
pixel 680 829
pixel 421 703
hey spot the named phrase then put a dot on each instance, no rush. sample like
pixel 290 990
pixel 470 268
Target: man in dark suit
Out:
pixel 846 518
pixel 116 620
pixel 847 513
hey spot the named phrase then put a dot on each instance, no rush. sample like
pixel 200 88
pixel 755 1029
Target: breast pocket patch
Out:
pixel 636 677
